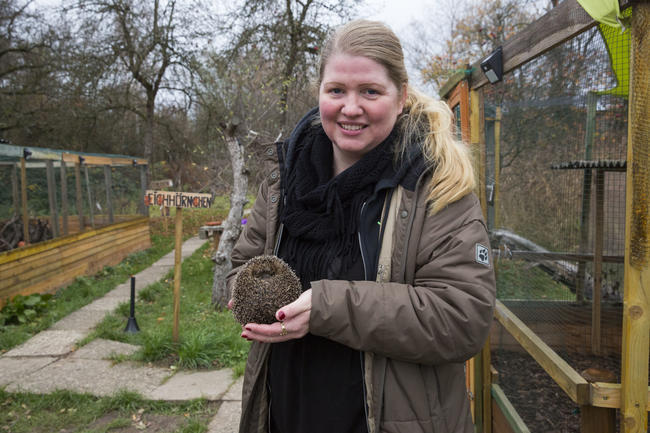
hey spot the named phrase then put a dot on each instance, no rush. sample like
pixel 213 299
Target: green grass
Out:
pixel 71 412
pixel 83 291
pixel 520 280
pixel 207 338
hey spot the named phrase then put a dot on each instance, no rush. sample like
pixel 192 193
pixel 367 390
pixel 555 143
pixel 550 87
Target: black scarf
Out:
pixel 321 214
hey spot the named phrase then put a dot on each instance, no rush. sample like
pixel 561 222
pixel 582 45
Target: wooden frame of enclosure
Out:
pixel 49 265
pixel 598 401
pixel 81 247
pixel 34 157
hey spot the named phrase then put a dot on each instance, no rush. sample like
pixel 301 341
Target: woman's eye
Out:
pixel 372 92
pixel 336 91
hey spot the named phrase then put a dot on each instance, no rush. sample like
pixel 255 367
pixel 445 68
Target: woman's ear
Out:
pixel 403 96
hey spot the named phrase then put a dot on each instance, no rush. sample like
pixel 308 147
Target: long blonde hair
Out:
pixel 424 119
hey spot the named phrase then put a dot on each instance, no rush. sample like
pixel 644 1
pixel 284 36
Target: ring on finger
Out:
pixel 284 330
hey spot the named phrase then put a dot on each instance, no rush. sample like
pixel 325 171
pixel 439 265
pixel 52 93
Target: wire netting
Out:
pixel 556 134
pixel 85 190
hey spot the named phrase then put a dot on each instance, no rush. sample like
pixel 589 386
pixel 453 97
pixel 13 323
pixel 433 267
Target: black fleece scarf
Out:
pixel 321 214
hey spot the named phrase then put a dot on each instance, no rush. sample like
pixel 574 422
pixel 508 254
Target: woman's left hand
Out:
pixel 293 323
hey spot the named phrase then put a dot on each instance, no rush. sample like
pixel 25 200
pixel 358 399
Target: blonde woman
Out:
pixel 370 201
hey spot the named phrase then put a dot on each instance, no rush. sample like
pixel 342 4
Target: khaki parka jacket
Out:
pixel 415 330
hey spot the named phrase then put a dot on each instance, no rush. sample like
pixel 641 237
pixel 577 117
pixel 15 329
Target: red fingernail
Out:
pixel 281 315
pixel 247 328
pixel 244 336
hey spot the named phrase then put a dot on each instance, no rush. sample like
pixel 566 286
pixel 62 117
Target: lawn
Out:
pixel 126 412
pixel 207 339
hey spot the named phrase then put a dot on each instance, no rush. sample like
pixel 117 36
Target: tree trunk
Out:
pixel 232 225
pixel 148 133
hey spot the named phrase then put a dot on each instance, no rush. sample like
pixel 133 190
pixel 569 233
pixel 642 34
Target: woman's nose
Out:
pixel 351 106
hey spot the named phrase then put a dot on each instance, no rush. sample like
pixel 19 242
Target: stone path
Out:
pixel 50 361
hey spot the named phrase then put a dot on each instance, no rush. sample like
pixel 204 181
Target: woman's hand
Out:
pixel 293 322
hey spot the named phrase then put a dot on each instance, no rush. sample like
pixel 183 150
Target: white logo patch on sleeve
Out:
pixel 482 255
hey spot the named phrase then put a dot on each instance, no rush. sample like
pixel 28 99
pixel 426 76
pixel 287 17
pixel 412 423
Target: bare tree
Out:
pixel 289 33
pixel 146 41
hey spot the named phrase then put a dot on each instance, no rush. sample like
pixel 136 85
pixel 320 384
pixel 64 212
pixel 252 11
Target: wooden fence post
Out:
pixel 636 300
pixel 64 198
pixel 79 201
pixel 23 193
pixel 51 195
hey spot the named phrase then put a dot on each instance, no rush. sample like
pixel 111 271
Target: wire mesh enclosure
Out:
pixel 60 193
pixel 556 137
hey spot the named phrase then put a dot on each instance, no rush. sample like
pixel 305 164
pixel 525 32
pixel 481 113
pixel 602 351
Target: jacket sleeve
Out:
pixel 252 239
pixel 444 316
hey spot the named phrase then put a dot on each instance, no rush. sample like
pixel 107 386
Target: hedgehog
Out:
pixel 262 286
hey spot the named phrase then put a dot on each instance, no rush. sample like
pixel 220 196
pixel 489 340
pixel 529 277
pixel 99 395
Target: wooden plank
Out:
pixel 597 420
pixel 70 158
pixel 108 178
pixel 88 262
pixel 477 143
pixel 572 257
pixel 178 259
pixel 52 267
pixel 636 298
pixel 87 267
pixel 34 270
pixel 514 421
pixel 9 256
pixel 598 263
pixel 571 382
pixel 51 195
pixel 479 423
pixel 603 394
pixel 41 259
pixel 561 23
pixel 64 199
pixel 451 83
pixel 23 193
pixel 79 195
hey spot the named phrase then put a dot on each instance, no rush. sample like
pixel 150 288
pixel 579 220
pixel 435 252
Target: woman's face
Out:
pixel 359 105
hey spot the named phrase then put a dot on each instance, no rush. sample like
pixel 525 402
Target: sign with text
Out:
pixel 163 183
pixel 177 199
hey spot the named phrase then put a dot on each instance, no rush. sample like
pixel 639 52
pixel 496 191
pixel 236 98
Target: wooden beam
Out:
pixel 79 194
pixel 571 382
pixel 8 256
pixel 597 419
pixel 64 199
pixel 51 195
pixel 477 143
pixel 561 23
pixel 23 192
pixel 603 394
pixel 178 262
pixel 636 300
pixel 515 423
